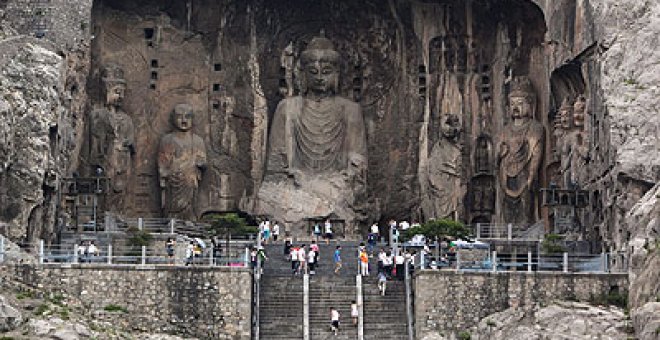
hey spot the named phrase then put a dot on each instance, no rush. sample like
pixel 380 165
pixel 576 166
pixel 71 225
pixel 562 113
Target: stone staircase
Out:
pixel 384 316
pixel 331 291
pixel 281 307
pixel 281 303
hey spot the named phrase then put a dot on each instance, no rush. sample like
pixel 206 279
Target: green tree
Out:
pixel 229 224
pixel 442 229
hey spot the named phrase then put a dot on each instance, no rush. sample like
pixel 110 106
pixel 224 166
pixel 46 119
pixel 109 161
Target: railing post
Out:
pixel 140 223
pixel 109 253
pixel 306 306
pixel 478 231
pixel 409 301
pixel 2 248
pixel 493 261
pixel 509 231
pixel 359 299
pixel 211 256
pixel 603 262
pixel 41 251
pixel 565 262
pixel 144 255
pixel 172 223
pixel 75 253
pixel 246 260
pixel 458 259
pixel 529 261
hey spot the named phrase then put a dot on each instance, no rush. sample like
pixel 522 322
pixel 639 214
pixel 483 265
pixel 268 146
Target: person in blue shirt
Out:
pixel 337 259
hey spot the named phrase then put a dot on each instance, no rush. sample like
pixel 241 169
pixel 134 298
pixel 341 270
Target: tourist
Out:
pixel 302 260
pixel 169 247
pixel 334 320
pixel 217 249
pixel 354 312
pixel 294 259
pixel 382 283
pixel 92 251
pixel 337 259
pixel 82 252
pixel 328 231
pixel 364 263
pixel 253 258
pixel 287 249
pixel 404 225
pixel 266 232
pixel 190 252
pixel 311 261
pixel 375 230
pixel 381 260
pixel 398 266
pixel 372 239
pixel 276 231
pixel 388 260
pixel 394 234
pixel 197 250
pixel 317 230
pixel 315 247
pixel 261 258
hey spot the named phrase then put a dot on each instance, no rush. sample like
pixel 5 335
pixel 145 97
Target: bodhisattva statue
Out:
pixel 445 171
pixel 113 136
pixel 181 163
pixel 317 155
pixel 520 153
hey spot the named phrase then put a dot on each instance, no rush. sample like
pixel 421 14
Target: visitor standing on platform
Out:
pixel 364 263
pixel 328 231
pixel 276 232
pixel 334 319
pixel 354 313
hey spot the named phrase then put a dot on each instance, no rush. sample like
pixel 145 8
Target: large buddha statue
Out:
pixel 520 154
pixel 317 152
pixel 112 137
pixel 181 162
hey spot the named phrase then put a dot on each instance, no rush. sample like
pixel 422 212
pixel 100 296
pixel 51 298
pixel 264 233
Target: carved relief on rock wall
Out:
pixel 181 163
pixel 112 137
pixel 519 156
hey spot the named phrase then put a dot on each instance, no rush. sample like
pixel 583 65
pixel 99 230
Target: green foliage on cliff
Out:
pixel 138 238
pixel 550 244
pixel 229 223
pixel 443 229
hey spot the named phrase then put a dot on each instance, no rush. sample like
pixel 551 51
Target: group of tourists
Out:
pixel 87 251
pixel 266 231
pixel 303 259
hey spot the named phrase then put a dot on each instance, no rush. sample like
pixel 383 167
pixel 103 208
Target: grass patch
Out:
pixel 56 299
pixel 64 313
pixel 464 335
pixel 115 308
pixel 22 296
pixel 42 309
pixel 490 323
pixel 6 338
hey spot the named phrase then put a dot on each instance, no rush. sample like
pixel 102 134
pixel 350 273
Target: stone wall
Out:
pixel 448 302
pixel 206 303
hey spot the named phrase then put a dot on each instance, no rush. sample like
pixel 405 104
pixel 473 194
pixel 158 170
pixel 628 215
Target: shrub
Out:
pixel 443 229
pixel 550 244
pixel 229 223
pixel 115 308
pixel 464 335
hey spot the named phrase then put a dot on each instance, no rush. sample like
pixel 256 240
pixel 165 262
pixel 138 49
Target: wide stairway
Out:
pixel 281 299
pixel 384 316
pixel 281 303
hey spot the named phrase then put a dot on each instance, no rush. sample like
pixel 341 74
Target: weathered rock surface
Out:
pixel 10 317
pixel 562 320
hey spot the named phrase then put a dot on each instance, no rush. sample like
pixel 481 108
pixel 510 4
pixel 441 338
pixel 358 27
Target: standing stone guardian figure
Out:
pixel 112 137
pixel 181 163
pixel 520 155
pixel 317 157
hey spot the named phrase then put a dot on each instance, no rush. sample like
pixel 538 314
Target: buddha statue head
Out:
pixel 113 84
pixel 522 99
pixel 450 126
pixel 566 114
pixel 182 117
pixel 320 67
pixel 579 108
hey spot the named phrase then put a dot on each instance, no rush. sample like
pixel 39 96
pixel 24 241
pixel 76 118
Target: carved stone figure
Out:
pixel 575 150
pixel 520 153
pixel 445 171
pixel 318 142
pixel 181 163
pixel 482 155
pixel 112 136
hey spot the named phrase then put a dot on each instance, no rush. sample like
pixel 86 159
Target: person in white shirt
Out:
pixel 404 225
pixel 302 260
pixel 276 231
pixel 294 260
pixel 334 319
pixel 92 250
pixel 374 229
pixel 328 231
pixel 311 261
